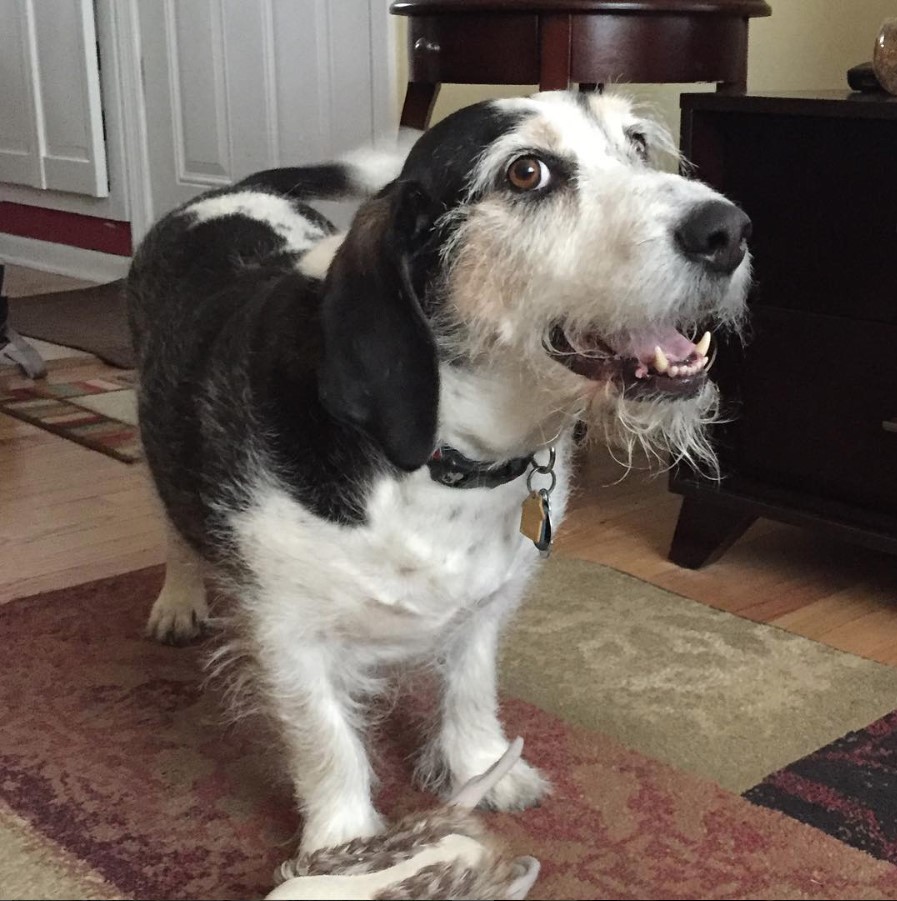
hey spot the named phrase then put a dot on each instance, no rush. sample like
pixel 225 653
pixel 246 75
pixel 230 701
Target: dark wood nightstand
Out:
pixel 814 390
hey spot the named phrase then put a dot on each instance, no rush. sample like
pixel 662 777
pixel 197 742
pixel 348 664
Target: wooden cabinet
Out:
pixel 812 392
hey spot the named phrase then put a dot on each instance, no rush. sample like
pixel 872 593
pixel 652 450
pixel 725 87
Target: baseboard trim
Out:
pixel 65 227
pixel 90 265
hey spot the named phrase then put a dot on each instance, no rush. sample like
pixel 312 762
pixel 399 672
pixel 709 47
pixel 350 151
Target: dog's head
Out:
pixel 537 239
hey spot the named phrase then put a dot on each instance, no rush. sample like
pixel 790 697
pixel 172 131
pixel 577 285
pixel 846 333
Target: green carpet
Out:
pixel 703 690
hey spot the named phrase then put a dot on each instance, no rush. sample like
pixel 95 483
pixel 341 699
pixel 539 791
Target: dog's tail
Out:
pixel 359 174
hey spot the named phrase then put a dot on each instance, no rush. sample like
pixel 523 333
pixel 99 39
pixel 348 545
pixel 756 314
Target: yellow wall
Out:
pixel 804 45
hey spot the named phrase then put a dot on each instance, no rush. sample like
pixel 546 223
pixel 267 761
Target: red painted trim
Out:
pixel 60 227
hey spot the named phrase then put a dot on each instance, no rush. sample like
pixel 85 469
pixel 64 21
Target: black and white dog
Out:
pixel 341 427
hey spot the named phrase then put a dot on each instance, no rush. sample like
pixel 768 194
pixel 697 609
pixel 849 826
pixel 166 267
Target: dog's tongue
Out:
pixel 642 345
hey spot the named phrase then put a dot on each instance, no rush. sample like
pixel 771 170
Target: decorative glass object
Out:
pixel 884 59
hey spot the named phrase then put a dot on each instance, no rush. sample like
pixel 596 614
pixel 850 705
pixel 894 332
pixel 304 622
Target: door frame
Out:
pixel 126 31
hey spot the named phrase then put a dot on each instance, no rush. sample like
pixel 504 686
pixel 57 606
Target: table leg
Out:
pixel 738 84
pixel 554 52
pixel 731 87
pixel 420 98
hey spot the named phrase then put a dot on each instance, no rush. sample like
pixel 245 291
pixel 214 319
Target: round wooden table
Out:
pixel 554 43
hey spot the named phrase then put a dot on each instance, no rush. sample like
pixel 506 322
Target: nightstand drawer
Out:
pixel 818 401
pixel 823 201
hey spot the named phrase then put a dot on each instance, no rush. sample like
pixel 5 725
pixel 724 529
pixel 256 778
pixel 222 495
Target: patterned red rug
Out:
pixel 111 751
pixel 847 789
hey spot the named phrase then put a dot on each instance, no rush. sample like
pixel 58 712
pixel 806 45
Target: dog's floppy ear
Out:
pixel 379 371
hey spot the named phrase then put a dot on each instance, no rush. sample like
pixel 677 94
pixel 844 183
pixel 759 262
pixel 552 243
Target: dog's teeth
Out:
pixel 704 344
pixel 661 363
pixel 673 371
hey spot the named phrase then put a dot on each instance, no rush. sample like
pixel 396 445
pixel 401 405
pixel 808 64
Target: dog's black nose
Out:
pixel 715 233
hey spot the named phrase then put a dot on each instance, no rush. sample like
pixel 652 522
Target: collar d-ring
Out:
pixel 546 469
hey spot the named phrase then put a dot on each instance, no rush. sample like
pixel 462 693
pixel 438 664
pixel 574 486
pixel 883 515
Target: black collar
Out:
pixel 451 468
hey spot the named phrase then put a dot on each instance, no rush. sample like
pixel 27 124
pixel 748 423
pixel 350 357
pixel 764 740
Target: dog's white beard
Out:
pixel 669 432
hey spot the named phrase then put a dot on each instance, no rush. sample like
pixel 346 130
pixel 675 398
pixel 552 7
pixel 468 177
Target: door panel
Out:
pixel 19 152
pixel 234 86
pixel 51 116
pixel 74 148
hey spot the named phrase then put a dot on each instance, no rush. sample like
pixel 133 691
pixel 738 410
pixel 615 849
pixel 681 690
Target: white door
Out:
pixel 51 116
pixel 234 86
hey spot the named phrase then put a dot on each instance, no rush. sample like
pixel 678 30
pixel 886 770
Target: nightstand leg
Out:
pixel 705 531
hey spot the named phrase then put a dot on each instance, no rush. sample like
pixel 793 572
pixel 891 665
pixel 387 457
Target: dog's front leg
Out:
pixel 311 694
pixel 180 612
pixel 470 737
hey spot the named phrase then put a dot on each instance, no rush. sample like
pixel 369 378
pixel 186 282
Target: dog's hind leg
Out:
pixel 180 611
pixel 470 737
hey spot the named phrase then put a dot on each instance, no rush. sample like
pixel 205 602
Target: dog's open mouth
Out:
pixel 647 363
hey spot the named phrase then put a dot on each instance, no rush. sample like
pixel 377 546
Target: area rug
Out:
pixel 114 757
pixel 92 319
pixel 703 690
pixel 34 866
pixel 847 789
pixel 79 411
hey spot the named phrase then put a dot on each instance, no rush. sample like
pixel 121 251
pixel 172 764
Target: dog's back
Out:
pixel 214 290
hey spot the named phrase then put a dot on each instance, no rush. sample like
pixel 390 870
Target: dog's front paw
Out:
pixel 338 828
pixel 176 619
pixel 524 786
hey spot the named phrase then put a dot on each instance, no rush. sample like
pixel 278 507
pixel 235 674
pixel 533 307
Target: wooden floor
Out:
pixel 68 515
pixel 833 592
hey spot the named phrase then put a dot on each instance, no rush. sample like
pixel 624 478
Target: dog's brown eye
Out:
pixel 528 173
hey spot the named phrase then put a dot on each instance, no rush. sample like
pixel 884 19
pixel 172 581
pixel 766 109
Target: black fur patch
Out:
pixel 328 181
pixel 442 162
pixel 228 338
pixel 444 158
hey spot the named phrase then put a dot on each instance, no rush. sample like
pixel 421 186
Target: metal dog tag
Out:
pixel 535 520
